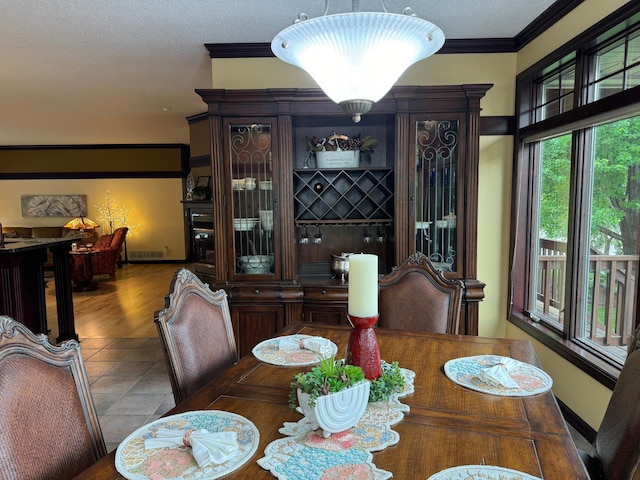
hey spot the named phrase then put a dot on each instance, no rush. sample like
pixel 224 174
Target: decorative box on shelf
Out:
pixel 338 159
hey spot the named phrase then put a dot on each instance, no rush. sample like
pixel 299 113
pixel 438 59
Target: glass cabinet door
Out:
pixel 252 200
pixel 436 192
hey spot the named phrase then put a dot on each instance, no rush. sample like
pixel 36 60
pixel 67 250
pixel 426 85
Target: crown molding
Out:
pixel 463 45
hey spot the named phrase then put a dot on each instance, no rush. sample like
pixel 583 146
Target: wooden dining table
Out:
pixel 448 425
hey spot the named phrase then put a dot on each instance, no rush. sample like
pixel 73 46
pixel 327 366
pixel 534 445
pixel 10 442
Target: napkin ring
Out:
pixel 186 438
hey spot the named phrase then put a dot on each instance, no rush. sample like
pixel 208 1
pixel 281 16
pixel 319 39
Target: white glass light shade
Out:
pixel 357 57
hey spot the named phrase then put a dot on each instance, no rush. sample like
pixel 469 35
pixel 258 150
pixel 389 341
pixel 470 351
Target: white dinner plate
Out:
pixel 531 380
pixel 481 472
pixel 135 462
pixel 269 352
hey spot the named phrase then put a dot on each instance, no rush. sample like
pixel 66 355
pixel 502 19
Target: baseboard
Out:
pixel 576 422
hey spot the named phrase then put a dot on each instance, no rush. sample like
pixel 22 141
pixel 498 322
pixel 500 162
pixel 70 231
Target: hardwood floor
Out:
pixel 121 308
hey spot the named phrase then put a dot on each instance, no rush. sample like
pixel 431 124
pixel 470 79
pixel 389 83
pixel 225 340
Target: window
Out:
pixel 552 224
pixel 556 90
pixel 577 192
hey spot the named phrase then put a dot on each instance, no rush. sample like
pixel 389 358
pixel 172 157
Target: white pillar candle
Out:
pixel 363 285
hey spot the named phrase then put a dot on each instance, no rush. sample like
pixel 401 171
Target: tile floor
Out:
pixel 129 383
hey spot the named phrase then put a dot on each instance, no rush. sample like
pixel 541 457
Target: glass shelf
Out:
pixel 435 191
pixel 252 202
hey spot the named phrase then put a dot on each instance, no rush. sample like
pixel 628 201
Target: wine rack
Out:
pixel 343 195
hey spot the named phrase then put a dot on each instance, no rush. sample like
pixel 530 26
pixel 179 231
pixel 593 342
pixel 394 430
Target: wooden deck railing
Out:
pixel 611 288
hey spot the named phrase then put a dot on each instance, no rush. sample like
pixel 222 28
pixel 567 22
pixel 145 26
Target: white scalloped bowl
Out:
pixel 337 411
pixel 254 264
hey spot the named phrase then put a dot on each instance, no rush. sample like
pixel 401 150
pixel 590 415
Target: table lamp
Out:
pixel 82 224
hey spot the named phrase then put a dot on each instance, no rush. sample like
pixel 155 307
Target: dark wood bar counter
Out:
pixel 22 284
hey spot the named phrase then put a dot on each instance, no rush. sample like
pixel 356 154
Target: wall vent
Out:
pixel 145 255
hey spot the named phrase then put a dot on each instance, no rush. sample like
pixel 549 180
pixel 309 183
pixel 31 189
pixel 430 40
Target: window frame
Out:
pixel 585 113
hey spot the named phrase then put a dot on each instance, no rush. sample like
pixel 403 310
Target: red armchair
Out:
pixel 108 248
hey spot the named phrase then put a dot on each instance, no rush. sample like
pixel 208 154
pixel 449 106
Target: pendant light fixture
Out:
pixel 356 57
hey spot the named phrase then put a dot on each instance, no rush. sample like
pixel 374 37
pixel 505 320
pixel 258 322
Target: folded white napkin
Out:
pixel 315 344
pixel 498 375
pixel 207 447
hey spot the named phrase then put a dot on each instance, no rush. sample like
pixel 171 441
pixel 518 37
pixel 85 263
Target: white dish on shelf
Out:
pixel 248 183
pixel 423 225
pixel 265 185
pixel 266 219
pixel 244 224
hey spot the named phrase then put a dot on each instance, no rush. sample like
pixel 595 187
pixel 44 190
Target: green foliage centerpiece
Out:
pixel 349 391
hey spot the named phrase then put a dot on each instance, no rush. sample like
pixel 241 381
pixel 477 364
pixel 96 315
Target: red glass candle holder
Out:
pixel 363 349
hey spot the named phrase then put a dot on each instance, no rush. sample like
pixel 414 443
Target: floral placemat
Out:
pixel 306 454
pixel 464 371
pixel 135 462
pixel 269 352
pixel 481 472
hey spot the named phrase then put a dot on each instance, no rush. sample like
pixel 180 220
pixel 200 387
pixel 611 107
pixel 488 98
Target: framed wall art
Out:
pixel 203 181
pixel 53 205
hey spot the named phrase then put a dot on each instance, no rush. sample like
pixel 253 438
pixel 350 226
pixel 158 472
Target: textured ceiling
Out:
pixel 101 72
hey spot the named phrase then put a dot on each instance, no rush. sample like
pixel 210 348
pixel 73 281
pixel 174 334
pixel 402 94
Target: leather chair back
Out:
pixel 634 344
pixel 617 444
pixel 196 333
pixel 416 296
pixel 49 427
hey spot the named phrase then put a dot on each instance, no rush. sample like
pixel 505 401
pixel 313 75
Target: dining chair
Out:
pixel 615 452
pixel 49 427
pixel 416 296
pixel 196 333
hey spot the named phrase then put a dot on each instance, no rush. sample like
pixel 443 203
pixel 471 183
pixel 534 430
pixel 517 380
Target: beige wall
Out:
pixel 586 14
pixel 153 204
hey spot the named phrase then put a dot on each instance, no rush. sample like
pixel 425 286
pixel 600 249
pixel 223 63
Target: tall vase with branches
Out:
pixel 115 215
pixel 112 213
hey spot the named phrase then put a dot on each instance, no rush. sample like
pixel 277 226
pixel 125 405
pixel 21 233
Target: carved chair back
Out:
pixel 196 333
pixel 48 423
pixel 416 296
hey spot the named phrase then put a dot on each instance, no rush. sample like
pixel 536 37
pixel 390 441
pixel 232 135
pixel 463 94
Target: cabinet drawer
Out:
pixel 317 312
pixel 326 294
pixel 255 292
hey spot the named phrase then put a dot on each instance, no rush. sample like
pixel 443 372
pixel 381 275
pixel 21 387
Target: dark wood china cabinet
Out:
pixel 278 218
